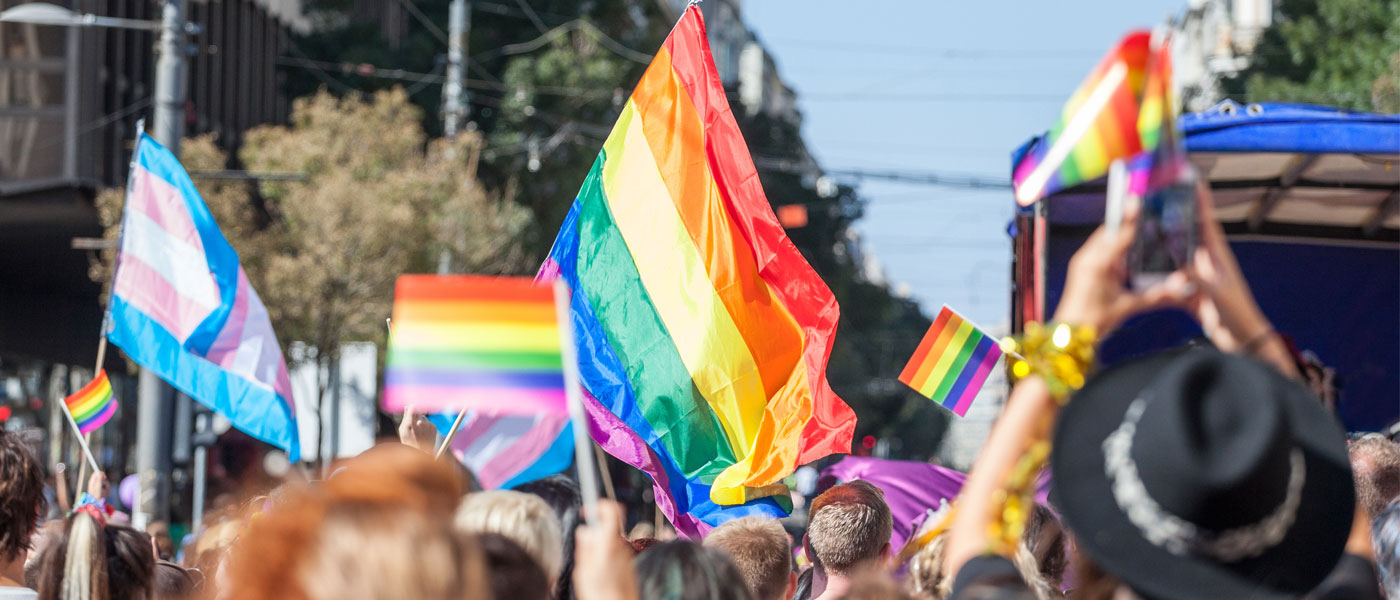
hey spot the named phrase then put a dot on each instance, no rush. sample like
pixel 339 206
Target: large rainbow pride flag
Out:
pixel 703 335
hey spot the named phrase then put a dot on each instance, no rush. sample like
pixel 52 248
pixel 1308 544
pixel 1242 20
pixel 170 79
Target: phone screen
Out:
pixel 1166 234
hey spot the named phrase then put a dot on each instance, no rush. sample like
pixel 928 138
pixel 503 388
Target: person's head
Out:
pixel 1196 473
pixel 684 570
pixel 927 580
pixel 762 550
pixel 21 496
pixel 850 524
pixel 1385 540
pixel 160 532
pixel 172 582
pixel 524 518
pixel 1375 465
pixel 514 573
pixel 46 536
pixel 1045 538
pixel 374 531
pixel 561 493
pixel 96 562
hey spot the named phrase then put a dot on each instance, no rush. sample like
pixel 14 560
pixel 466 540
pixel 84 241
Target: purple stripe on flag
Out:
pixel 494 378
pixel 621 441
pixel 969 369
pixel 90 424
pixel 977 380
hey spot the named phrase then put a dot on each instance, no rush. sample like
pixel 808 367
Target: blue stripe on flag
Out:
pixel 223 260
pixel 252 408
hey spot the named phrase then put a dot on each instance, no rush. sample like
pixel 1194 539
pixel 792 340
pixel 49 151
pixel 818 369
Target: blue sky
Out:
pixel 874 79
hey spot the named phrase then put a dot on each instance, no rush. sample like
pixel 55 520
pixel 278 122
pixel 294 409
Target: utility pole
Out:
pixel 155 400
pixel 454 94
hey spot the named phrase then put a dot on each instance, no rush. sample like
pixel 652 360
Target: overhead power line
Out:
pixel 976 182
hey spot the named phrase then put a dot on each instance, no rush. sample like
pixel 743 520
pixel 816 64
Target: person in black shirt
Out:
pixel 1198 473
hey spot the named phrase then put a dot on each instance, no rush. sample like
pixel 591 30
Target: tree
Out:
pixel 378 200
pixel 1339 52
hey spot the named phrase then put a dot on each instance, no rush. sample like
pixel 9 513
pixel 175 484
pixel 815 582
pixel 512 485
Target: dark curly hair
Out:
pixel 21 495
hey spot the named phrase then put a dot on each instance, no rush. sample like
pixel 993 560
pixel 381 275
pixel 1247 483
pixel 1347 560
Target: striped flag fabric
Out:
pixel 93 405
pixel 504 451
pixel 1098 125
pixel 952 362
pixel 466 342
pixel 181 304
pixel 703 335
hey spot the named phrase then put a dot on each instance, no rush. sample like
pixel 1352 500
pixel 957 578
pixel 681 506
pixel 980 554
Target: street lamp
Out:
pixel 43 13
pixel 153 403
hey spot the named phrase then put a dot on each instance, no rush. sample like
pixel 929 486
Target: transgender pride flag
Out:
pixel 182 307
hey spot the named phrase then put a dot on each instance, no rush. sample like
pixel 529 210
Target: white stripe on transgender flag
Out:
pixel 247 345
pixel 164 277
pixel 498 447
pixel 157 199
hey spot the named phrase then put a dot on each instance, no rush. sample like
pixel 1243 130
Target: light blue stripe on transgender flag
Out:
pixel 223 260
pixel 490 445
pixel 254 409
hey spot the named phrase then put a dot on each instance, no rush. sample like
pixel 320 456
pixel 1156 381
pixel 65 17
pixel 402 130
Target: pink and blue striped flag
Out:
pixel 182 306
pixel 504 451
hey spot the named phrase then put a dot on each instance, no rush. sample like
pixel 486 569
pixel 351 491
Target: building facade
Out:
pixel 1213 40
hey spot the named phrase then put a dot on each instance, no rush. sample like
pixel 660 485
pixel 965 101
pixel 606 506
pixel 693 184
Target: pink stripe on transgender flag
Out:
pixel 146 290
pixel 978 378
pixel 247 345
pixel 501 446
pixel 161 202
pixel 501 400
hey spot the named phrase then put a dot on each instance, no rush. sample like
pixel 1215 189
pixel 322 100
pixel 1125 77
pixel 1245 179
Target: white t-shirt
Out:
pixel 17 593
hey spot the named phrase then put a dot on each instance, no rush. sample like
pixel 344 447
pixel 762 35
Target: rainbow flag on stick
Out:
pixel 952 362
pixel 93 405
pixel 465 342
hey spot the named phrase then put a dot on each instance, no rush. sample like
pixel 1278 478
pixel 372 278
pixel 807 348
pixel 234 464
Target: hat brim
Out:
pixel 1082 493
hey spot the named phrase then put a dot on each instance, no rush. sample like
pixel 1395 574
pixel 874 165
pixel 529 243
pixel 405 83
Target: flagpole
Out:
pixel 583 454
pixel 81 442
pixel 451 434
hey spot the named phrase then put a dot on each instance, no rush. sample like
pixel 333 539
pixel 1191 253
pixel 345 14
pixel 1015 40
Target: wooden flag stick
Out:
pixel 451 434
pixel 583 455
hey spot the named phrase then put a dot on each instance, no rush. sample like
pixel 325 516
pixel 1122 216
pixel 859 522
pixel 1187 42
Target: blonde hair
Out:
pixel 760 547
pixel 525 519
pixel 926 579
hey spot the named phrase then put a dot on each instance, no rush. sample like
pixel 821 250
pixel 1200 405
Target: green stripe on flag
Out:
pixel 662 385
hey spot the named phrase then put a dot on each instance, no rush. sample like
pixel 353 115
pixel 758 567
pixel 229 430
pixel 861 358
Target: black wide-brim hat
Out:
pixel 1083 491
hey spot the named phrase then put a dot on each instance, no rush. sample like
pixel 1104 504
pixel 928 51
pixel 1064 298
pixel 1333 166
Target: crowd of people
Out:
pixel 1204 472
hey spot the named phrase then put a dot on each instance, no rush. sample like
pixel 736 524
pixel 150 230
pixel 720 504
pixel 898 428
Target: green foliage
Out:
pixel 1344 53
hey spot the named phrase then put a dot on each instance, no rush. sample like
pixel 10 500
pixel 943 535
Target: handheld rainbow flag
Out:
pixel 952 362
pixel 702 334
pixel 465 342
pixel 1098 125
pixel 93 405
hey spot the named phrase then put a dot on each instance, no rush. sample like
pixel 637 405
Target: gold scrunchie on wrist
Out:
pixel 1062 354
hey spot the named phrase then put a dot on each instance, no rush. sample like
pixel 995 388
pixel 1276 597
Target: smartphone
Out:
pixel 1166 232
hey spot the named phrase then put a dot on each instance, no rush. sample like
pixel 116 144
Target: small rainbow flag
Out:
pixel 93 405
pixel 952 362
pixel 468 342
pixel 1098 125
